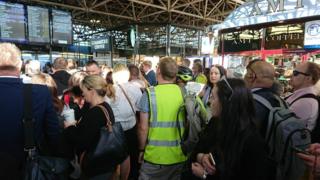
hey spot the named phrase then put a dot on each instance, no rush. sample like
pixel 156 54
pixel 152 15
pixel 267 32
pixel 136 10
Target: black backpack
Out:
pixel 315 133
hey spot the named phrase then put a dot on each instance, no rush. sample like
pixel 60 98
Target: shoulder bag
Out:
pixel 127 97
pixel 110 150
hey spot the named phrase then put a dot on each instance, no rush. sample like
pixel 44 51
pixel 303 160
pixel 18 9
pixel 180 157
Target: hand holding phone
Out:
pixel 212 160
pixel 299 150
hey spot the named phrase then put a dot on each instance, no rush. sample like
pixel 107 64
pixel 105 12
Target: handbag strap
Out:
pixel 106 114
pixel 125 94
pixel 29 142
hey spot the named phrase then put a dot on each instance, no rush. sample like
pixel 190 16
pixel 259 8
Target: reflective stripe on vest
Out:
pixel 155 124
pixel 153 103
pixel 163 142
pixel 165 124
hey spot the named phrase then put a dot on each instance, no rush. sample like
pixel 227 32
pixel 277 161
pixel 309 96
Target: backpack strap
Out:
pixel 183 93
pixel 29 142
pixel 285 98
pixel 263 101
pixel 309 95
pixel 268 105
pixel 315 133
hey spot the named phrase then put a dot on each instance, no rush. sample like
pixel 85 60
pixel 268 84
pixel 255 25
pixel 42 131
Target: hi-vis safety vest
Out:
pixel 201 78
pixel 163 145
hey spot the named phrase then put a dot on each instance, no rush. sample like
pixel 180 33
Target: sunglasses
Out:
pixel 224 79
pixel 296 73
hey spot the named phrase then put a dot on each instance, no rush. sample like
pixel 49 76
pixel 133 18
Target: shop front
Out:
pixel 281 32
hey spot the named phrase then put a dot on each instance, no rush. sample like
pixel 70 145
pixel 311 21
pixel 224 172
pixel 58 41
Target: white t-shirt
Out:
pixel 120 106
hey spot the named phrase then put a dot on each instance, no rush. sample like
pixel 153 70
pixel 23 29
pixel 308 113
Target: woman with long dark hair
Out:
pixel 215 74
pixel 231 147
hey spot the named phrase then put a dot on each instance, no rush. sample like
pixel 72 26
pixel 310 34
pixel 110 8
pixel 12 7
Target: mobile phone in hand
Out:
pixel 211 159
pixel 299 150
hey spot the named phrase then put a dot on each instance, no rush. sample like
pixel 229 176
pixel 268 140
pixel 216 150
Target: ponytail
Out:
pixel 111 92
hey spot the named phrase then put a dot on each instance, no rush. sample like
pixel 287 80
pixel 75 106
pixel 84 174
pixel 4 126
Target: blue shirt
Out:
pixel 144 103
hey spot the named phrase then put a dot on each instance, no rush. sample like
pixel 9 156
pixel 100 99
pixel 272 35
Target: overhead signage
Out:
pixel 312 34
pixel 62 27
pixel 284 37
pixel 38 24
pixel 100 44
pixel 265 11
pixel 12 22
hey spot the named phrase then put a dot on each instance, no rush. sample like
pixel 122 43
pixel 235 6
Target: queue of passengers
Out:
pixel 66 106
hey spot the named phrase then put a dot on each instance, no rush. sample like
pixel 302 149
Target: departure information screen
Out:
pixel 38 24
pixel 12 22
pixel 62 27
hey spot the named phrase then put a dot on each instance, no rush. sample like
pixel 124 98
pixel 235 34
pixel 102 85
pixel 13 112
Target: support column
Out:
pixel 111 52
pixel 168 44
pixel 137 44
pixel 199 43
pixel 263 44
pixel 222 47
pixel 50 54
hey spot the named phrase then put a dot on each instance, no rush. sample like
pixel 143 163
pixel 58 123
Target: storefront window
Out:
pixel 246 40
pixel 285 37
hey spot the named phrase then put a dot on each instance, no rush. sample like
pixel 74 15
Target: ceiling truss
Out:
pixel 115 13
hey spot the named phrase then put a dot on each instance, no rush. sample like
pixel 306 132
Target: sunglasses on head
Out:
pixel 224 79
pixel 296 73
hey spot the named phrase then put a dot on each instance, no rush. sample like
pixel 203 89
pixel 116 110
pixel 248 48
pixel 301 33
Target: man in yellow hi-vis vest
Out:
pixel 159 140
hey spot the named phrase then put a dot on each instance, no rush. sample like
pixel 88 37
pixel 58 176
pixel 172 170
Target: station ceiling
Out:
pixel 115 13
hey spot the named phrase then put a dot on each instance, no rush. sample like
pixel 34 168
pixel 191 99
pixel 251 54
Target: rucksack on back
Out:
pixel 194 122
pixel 315 133
pixel 285 130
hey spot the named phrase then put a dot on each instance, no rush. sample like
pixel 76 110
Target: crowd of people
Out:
pixel 147 104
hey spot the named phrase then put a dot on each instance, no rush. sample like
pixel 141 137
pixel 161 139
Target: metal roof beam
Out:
pixel 148 4
pixel 215 7
pixel 238 1
pixel 196 9
pixel 186 4
pixel 205 8
pixel 152 14
pixel 193 15
pixel 100 4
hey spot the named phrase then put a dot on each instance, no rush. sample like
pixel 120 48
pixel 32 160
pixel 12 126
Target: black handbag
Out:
pixel 110 150
pixel 39 167
pixel 46 168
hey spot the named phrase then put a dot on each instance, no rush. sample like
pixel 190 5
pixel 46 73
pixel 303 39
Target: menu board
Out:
pixel 12 22
pixel 62 27
pixel 38 24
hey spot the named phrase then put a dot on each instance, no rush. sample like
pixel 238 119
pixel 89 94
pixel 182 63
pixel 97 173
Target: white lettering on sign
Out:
pixel 273 6
pixel 279 37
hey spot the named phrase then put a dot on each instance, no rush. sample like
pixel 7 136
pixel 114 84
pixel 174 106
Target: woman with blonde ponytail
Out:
pixel 87 129
pixel 111 92
pixel 123 97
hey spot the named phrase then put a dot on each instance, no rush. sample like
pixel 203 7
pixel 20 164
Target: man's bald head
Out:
pixel 263 69
pixel 260 74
